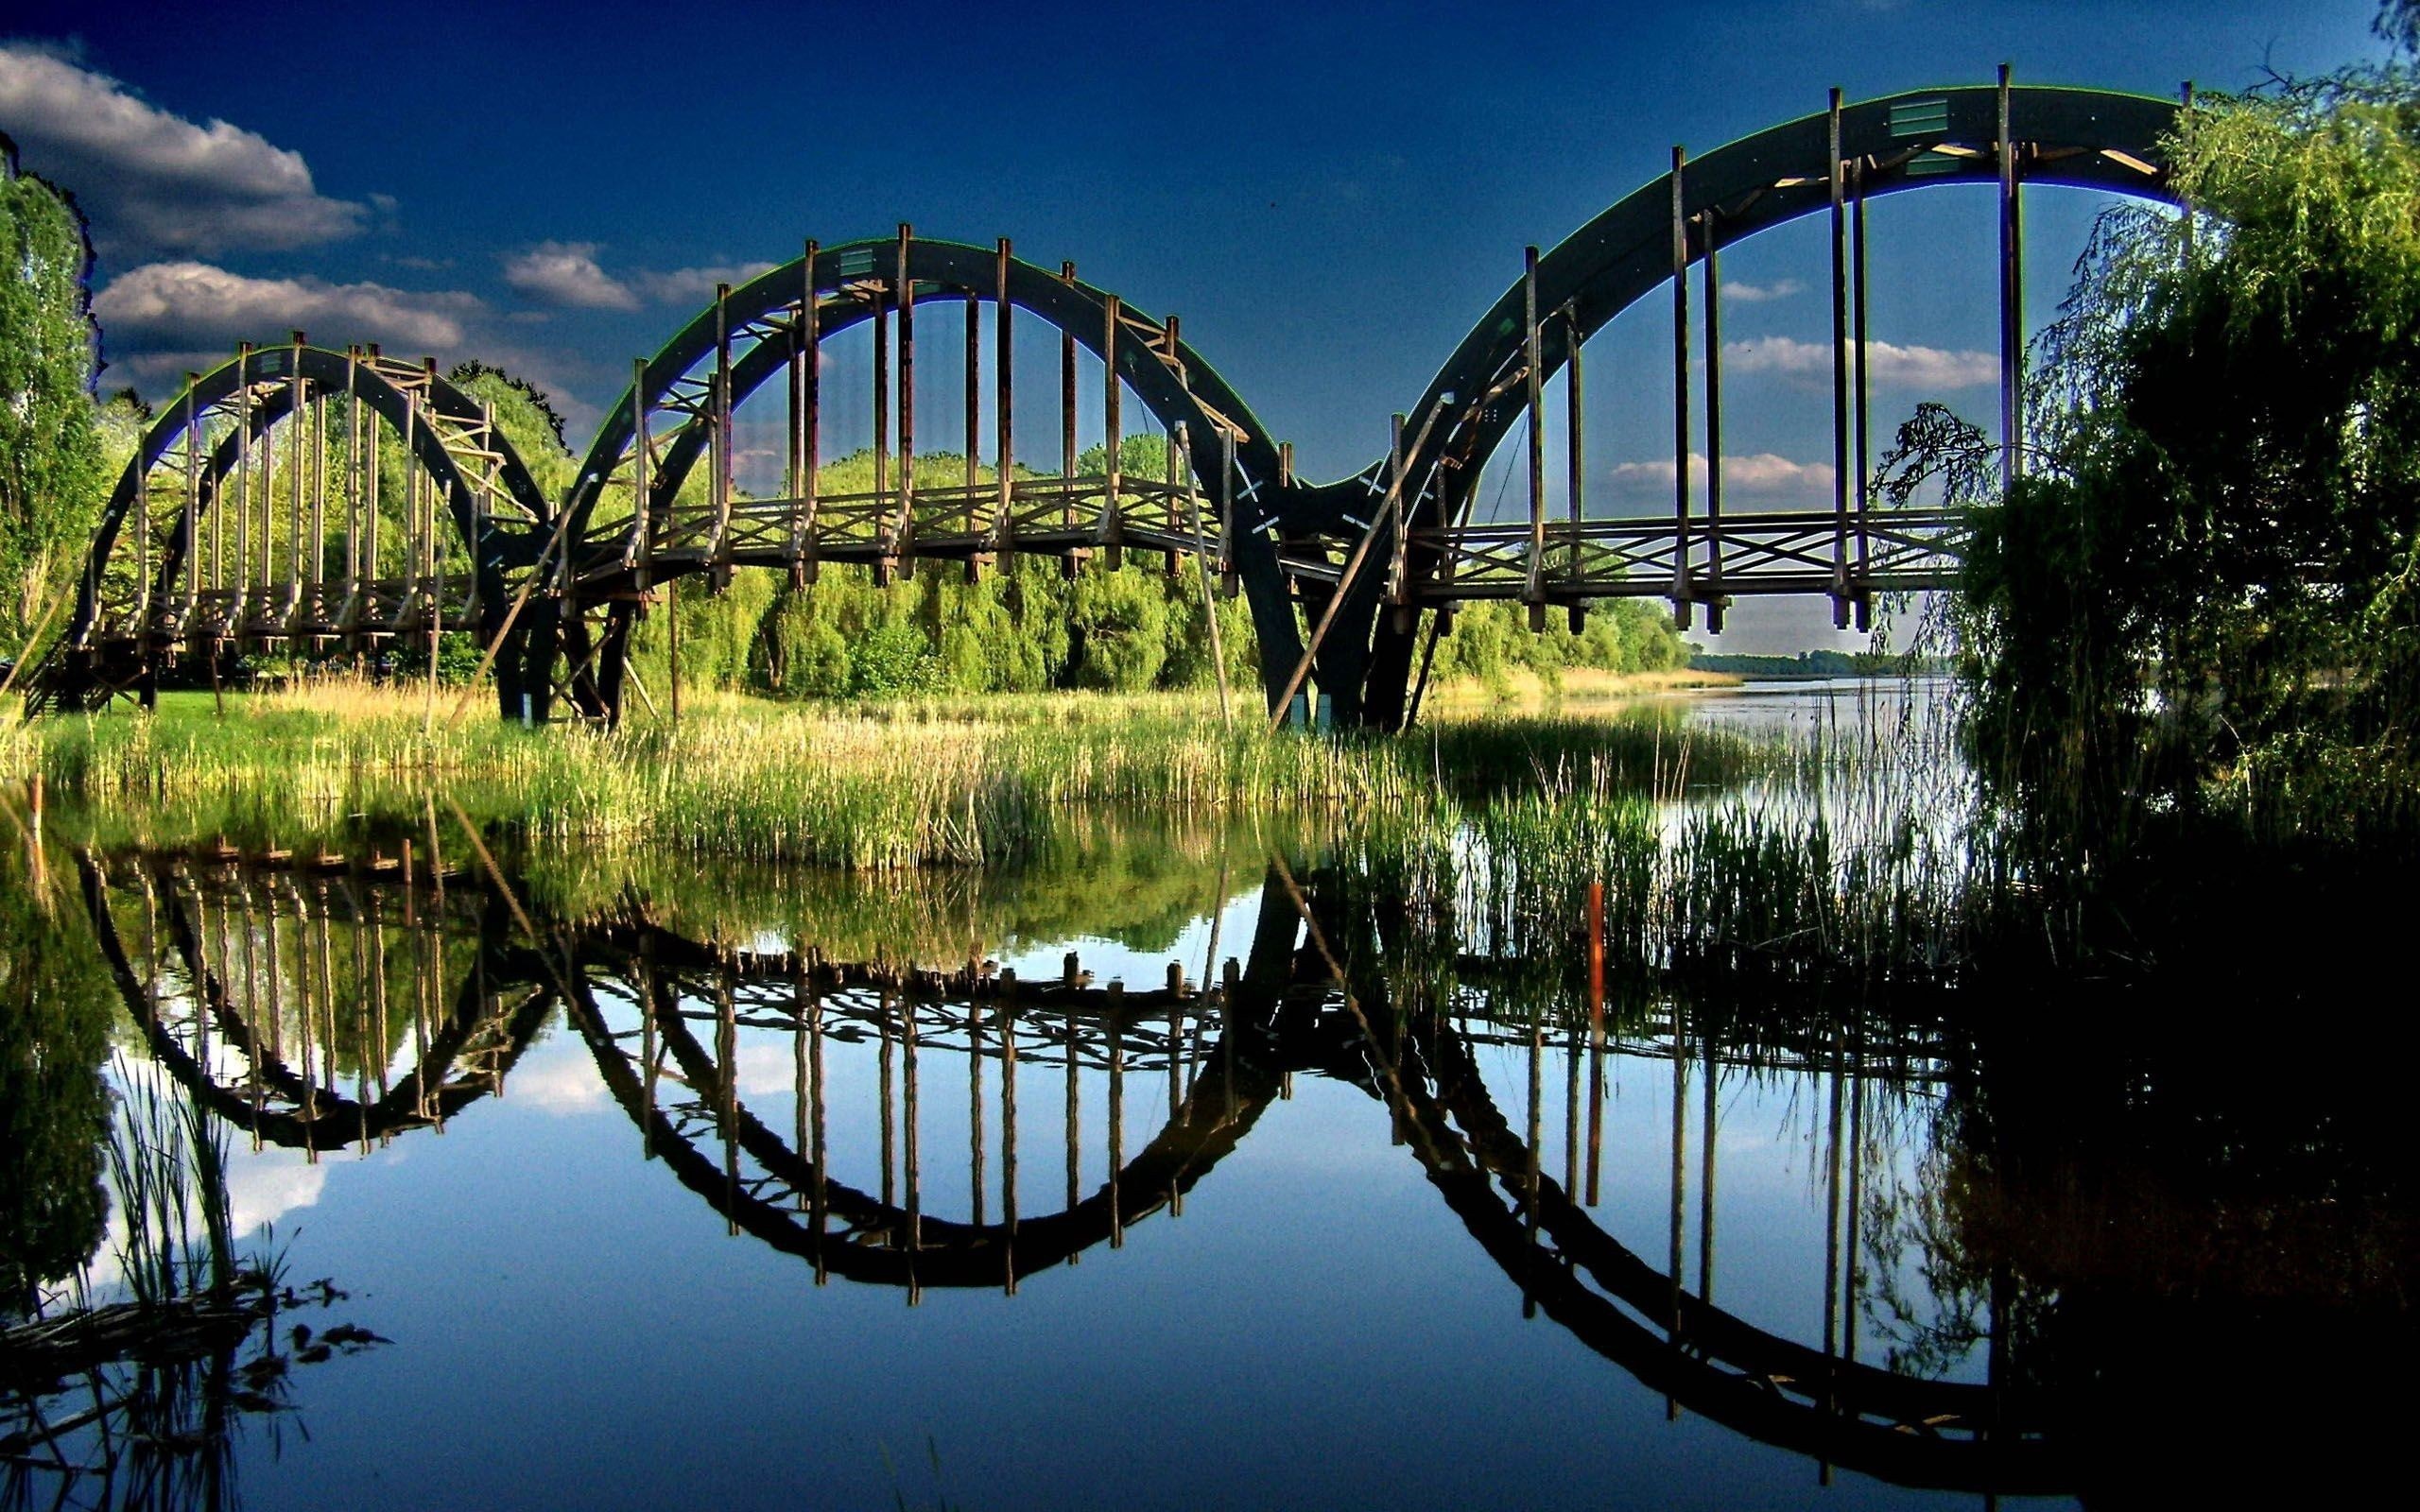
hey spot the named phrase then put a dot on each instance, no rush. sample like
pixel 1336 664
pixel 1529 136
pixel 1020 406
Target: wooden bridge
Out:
pixel 329 503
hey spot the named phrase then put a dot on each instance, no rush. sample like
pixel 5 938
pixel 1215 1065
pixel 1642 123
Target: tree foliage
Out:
pixel 51 462
pixel 2210 560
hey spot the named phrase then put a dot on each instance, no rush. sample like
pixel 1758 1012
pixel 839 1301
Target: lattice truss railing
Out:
pixel 669 502
pixel 300 495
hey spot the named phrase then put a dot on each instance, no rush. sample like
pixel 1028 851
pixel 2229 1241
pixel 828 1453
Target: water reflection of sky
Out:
pixel 1316 1328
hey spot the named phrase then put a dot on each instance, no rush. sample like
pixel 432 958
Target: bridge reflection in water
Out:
pixel 357 1003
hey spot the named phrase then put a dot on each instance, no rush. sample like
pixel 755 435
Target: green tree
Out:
pixel 2210 566
pixel 51 462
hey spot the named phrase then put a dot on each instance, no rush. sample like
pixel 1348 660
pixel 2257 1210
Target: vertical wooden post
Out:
pixel 299 431
pixel 1067 415
pixel 1682 594
pixel 1229 582
pixel 1575 439
pixel 1712 275
pixel 977 526
pixel 1113 436
pixel 907 295
pixel 640 551
pixel 1865 605
pixel 195 439
pixel 1840 370
pixel 882 429
pixel 435 564
pixel 811 402
pixel 1003 425
pixel 1709 1132
pixel 371 501
pixel 794 431
pixel 353 501
pixel 243 479
pixel 316 563
pixel 1533 592
pixel 2011 299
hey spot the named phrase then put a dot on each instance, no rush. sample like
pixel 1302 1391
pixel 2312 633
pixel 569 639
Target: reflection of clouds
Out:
pixel 556 1077
pixel 766 1070
pixel 263 1187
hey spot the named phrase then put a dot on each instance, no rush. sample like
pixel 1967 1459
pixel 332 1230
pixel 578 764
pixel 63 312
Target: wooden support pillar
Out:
pixel 882 431
pixel 1230 581
pixel 1864 602
pixel 1067 417
pixel 371 488
pixel 907 296
pixel 243 479
pixel 196 442
pixel 811 420
pixel 297 465
pixel 2012 299
pixel 1113 428
pixel 639 552
pixel 1003 423
pixel 1574 440
pixel 1533 592
pixel 1840 370
pixel 1683 590
pixel 979 524
pixel 353 493
pixel 316 564
pixel 1398 559
pixel 1712 275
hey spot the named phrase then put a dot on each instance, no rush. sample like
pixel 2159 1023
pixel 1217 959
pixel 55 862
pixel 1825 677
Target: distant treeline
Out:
pixel 1820 665
pixel 1032 628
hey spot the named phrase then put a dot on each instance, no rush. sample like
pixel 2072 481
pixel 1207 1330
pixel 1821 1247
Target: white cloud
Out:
pixel 567 274
pixel 1761 293
pixel 152 181
pixel 558 1077
pixel 1885 362
pixel 179 307
pixel 696 285
pixel 1767 474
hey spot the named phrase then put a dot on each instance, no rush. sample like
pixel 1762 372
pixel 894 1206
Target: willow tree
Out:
pixel 50 444
pixel 2208 575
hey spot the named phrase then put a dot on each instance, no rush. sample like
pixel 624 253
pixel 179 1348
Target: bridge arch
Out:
pixel 1651 239
pixel 143 594
pixel 679 410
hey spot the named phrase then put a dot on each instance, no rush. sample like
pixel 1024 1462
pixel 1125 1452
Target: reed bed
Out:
pixel 870 788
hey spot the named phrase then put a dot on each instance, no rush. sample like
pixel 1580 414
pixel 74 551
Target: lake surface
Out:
pixel 1199 1169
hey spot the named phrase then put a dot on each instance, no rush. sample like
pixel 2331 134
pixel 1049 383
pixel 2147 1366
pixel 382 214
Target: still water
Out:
pixel 1192 1170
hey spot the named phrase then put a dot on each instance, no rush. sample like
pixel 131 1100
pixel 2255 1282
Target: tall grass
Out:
pixel 937 782
pixel 167 1172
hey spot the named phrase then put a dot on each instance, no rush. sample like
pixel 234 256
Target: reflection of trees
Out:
pixel 56 1002
pixel 1137 880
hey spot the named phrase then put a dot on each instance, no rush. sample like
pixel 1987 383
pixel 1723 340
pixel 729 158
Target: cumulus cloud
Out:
pixel 1885 362
pixel 1766 474
pixel 153 182
pixel 1761 293
pixel 170 311
pixel 567 274
pixel 696 285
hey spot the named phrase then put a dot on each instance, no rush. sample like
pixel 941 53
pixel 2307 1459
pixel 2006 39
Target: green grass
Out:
pixel 953 782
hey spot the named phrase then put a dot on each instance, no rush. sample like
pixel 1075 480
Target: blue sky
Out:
pixel 1328 196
